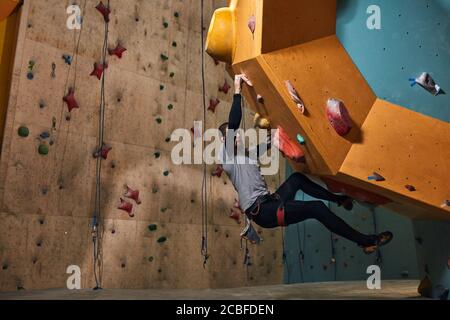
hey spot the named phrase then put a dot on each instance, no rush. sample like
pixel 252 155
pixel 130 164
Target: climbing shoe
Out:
pixel 382 239
pixel 346 203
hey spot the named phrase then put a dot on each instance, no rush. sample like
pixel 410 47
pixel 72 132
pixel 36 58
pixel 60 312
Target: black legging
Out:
pixel 298 211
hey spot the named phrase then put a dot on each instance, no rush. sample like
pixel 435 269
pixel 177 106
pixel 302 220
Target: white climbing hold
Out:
pixel 428 83
pixel 295 96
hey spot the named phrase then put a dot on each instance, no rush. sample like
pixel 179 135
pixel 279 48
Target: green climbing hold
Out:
pixel 165 24
pixel 167 139
pixel 164 57
pixel 163 210
pixel 170 106
pixel 166 173
pixel 155 190
pixel 162 239
pixel 157 154
pixel 176 14
pixel 172 75
pixel 158 120
pixel 174 44
pixel 300 139
pixel 43 149
pixel 150 259
pixel 152 227
pixel 161 87
pixel 23 132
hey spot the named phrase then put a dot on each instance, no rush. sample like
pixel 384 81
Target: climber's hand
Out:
pixel 238 83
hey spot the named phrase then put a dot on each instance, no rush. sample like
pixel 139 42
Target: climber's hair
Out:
pixel 223 129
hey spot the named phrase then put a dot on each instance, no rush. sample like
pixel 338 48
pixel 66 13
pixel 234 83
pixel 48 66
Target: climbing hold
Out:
pixel 162 240
pixel 152 227
pixel 294 96
pixel 44 135
pixel 174 44
pixel 161 87
pixel 260 98
pixel 252 23
pixel 43 149
pixel 410 188
pixel 213 105
pixel 103 152
pixel 300 139
pixel 99 68
pixel 166 173
pixel 163 210
pixel 287 147
pixel 126 206
pixel 167 139
pixel 170 107
pixel 132 194
pixel 158 120
pixel 217 172
pixel 261 122
pixel 165 24
pixel 23 132
pixel 157 154
pixel 338 117
pixel 105 11
pixel 216 62
pixel 42 104
pixel 172 74
pixel 67 59
pixel 176 14
pixel 164 57
pixel 376 177
pixel 225 87
pixel 155 190
pixel 70 100
pixel 428 83
pixel 53 73
pixel 30 74
pixel 117 51
pixel 446 204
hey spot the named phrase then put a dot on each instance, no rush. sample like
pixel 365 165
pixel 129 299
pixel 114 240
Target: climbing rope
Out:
pixel 96 226
pixel 204 246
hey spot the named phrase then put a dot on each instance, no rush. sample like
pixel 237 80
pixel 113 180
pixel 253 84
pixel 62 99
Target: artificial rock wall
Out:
pixel 47 201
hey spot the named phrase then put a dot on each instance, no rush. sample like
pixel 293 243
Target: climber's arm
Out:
pixel 235 117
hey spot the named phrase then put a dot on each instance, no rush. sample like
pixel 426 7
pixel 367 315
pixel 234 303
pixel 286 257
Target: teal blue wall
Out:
pixel 414 38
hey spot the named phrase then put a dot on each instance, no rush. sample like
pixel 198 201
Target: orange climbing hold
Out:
pixel 70 100
pixel 288 147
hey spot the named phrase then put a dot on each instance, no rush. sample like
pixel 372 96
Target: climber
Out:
pixel 280 208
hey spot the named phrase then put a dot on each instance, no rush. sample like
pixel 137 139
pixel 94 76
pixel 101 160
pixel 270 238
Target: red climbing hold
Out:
pixel 103 152
pixel 338 117
pixel 235 214
pixel 225 87
pixel 105 11
pixel 294 96
pixel 410 187
pixel 118 51
pixel 98 70
pixel 126 206
pixel 217 172
pixel 70 100
pixel 132 194
pixel 252 24
pixel 213 105
pixel 287 147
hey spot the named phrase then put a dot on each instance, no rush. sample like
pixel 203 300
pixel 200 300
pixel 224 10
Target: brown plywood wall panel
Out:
pixel 47 202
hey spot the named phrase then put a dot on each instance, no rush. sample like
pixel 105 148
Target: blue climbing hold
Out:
pixel 300 139
pixel 67 59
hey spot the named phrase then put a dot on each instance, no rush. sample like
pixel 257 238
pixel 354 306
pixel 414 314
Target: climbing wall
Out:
pixel 48 172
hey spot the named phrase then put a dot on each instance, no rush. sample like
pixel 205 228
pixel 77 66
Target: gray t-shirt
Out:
pixel 246 177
